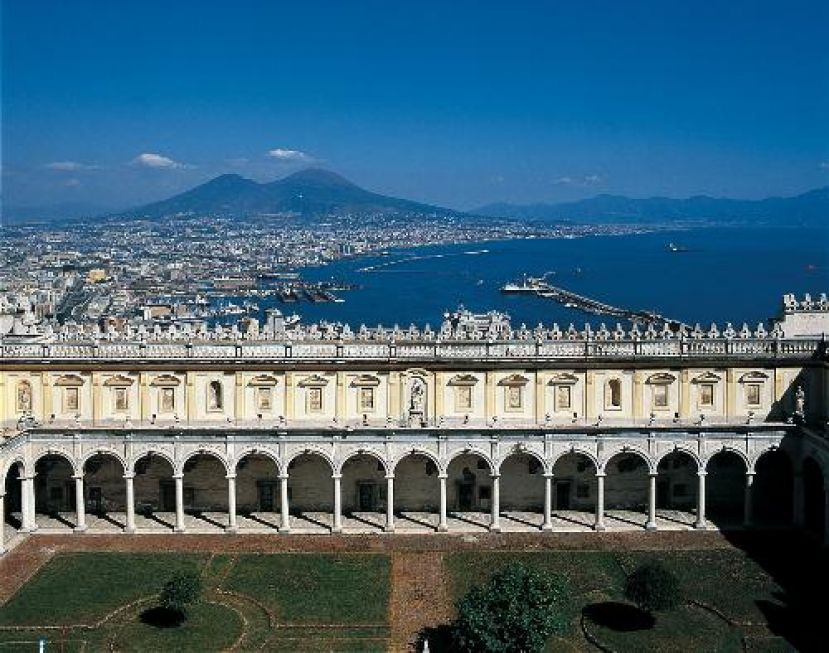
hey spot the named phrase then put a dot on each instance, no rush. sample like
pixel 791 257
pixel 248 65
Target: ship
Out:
pixel 527 284
pixel 674 248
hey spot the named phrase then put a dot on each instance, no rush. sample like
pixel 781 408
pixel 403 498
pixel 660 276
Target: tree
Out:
pixel 517 610
pixel 180 592
pixel 653 588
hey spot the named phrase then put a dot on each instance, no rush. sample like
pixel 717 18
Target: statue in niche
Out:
pixel 417 397
pixel 24 397
pixel 800 403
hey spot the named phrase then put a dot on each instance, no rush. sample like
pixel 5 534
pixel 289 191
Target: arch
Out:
pixel 577 451
pixel 57 453
pixel 16 460
pixel 203 452
pixel 14 470
pixel 628 450
pixel 677 483
pixel 773 488
pixel 470 478
pixel 215 395
pixel 471 451
pixel 417 452
pixel 525 452
pixel 310 451
pixel 365 452
pixel 771 449
pixel 256 451
pixel 523 486
pixel 727 449
pixel 575 484
pixel 150 453
pixel 679 449
pixel 106 451
pixel 725 486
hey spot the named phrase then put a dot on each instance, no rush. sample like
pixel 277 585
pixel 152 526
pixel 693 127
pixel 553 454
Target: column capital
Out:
pixel 702 472
pixel 443 476
pixel 548 475
pixel 283 476
pixel 653 474
pixel 78 477
pixel 336 477
pixel 389 477
pixel 231 477
pixel 600 474
pixel 494 477
pixel 128 476
pixel 750 474
pixel 179 476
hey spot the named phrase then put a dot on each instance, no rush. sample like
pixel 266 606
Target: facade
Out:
pixel 475 421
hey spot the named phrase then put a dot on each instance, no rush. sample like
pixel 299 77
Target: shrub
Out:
pixel 653 588
pixel 180 592
pixel 517 610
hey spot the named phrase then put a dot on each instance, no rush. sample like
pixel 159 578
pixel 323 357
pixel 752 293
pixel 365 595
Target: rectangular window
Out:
pixel 463 397
pixel 660 396
pixel 515 399
pixel 366 400
pixel 264 398
pixel 706 394
pixel 753 394
pixel 167 400
pixel 71 399
pixel 121 399
pixel 314 400
pixel 563 397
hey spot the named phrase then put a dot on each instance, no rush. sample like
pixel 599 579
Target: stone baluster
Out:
pixel 80 505
pixel 232 526
pixel 495 520
pixel 651 525
pixel 338 517
pixel 443 525
pixel 179 479
pixel 701 522
pixel 284 509
pixel 390 503
pixel 129 480
pixel 547 524
pixel 599 524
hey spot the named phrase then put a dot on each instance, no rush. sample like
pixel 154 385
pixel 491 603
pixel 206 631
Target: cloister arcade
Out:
pixel 365 489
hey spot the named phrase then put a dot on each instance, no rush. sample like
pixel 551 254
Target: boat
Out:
pixel 674 248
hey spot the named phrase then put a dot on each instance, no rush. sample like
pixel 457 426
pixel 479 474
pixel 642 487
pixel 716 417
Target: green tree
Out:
pixel 517 610
pixel 180 592
pixel 653 588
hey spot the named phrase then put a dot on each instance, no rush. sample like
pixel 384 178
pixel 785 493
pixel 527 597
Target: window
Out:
pixel 660 396
pixel 515 397
pixel 706 394
pixel 121 399
pixel 366 399
pixel 315 400
pixel 24 397
pixel 753 394
pixel 613 396
pixel 264 398
pixel 215 400
pixel 167 400
pixel 563 397
pixel 463 397
pixel 71 399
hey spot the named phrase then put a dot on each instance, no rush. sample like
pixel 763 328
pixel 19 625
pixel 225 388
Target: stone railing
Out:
pixel 539 349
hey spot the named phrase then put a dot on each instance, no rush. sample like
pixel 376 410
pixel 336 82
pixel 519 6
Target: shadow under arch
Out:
pixel 574 482
pixel 469 483
pixel 814 497
pixel 153 484
pixel 725 482
pixel 104 485
pixel 310 484
pixel 773 490
pixel 522 487
pixel 677 481
pixel 416 486
pixel 257 483
pixel 626 483
pixel 55 486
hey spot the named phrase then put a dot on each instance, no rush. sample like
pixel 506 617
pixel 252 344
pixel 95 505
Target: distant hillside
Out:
pixel 307 193
pixel 10 214
pixel 809 208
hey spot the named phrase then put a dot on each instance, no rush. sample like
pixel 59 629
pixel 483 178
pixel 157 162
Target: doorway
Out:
pixel 366 497
pixel 563 495
pixel 466 496
pixel 266 497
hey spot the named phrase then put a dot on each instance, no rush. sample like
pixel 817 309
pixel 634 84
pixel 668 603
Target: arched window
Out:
pixel 214 396
pixel 613 397
pixel 24 397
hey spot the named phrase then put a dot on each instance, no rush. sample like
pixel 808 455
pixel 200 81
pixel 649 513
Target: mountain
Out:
pixel 308 193
pixel 808 208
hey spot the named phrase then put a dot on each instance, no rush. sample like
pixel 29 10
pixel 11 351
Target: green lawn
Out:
pixel 308 592
pixel 727 580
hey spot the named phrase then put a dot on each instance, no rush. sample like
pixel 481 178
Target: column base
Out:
pixel 443 528
pixel 284 531
pixel 337 530
pixel 80 529
pixel 701 525
pixel 599 528
pixel 231 530
pixel 495 529
pixel 179 530
pixel 388 529
pixel 651 526
pixel 546 528
pixel 129 530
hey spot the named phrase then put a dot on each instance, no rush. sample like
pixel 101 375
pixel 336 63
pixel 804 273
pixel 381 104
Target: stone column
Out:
pixel 599 525
pixel 547 525
pixel 651 525
pixel 338 517
pixel 80 505
pixel 2 523
pixel 798 517
pixel 748 504
pixel 495 521
pixel 129 478
pixel 179 478
pixel 231 504
pixel 701 522
pixel 284 510
pixel 27 504
pixel 443 526
pixel 390 503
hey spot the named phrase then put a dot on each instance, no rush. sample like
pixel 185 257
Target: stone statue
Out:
pixel 24 397
pixel 417 397
pixel 800 402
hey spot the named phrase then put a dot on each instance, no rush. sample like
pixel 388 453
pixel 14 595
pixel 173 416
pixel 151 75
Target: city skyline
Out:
pixel 120 106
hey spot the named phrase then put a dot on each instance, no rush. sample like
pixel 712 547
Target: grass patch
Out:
pixel 82 588
pixel 316 588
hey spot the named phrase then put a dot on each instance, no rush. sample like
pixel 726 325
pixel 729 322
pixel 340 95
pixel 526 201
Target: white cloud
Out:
pixel 290 156
pixel 157 161
pixel 580 181
pixel 70 166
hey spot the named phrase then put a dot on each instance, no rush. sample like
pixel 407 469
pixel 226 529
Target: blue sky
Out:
pixel 456 103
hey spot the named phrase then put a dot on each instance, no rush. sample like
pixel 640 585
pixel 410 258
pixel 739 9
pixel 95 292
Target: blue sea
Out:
pixel 726 274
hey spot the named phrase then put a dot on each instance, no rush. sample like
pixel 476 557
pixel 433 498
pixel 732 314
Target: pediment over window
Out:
pixel 706 377
pixel 313 381
pixel 564 379
pixel 70 380
pixel 463 379
pixel 514 380
pixel 754 377
pixel 166 381
pixel 263 380
pixel 365 380
pixel 661 379
pixel 119 381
